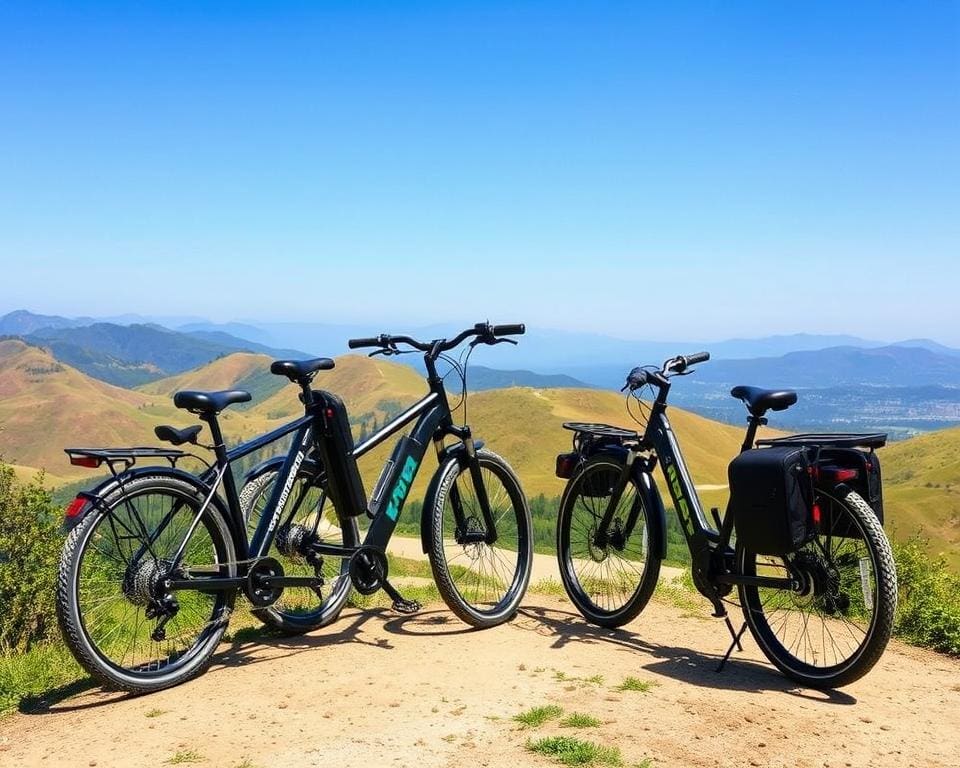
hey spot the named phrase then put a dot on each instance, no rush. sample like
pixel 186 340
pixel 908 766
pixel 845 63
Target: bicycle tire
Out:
pixel 481 589
pixel 90 614
pixel 835 601
pixel 581 562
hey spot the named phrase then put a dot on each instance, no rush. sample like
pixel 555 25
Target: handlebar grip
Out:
pixel 637 378
pixel 510 329
pixel 697 357
pixel 372 341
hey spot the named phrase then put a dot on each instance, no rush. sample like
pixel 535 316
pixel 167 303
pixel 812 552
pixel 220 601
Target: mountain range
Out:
pixel 849 382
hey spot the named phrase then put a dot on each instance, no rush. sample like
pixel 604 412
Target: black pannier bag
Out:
pixel 867 483
pixel 771 499
pixel 335 444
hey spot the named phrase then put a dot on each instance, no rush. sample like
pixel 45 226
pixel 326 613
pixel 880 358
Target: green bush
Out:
pixel 929 605
pixel 30 543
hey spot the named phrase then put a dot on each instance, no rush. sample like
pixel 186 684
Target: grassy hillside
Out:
pixel 241 370
pixel 45 405
pixel 922 489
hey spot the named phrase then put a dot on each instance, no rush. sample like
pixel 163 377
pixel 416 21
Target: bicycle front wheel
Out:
pixel 834 627
pixel 611 581
pixel 122 625
pixel 482 583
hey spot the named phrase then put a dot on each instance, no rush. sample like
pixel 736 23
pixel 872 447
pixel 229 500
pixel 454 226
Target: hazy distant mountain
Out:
pixel 21 322
pixel 238 330
pixel 888 366
pixel 130 355
pixel 929 344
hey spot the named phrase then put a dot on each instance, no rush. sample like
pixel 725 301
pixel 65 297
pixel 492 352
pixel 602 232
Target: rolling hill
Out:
pixel 129 355
pixel 922 489
pixel 46 405
pixel 240 370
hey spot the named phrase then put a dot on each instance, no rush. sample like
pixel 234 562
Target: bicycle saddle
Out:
pixel 208 403
pixel 759 401
pixel 295 370
pixel 177 436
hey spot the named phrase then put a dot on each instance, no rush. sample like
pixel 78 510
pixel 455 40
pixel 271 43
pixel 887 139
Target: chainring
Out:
pixel 258 593
pixel 368 569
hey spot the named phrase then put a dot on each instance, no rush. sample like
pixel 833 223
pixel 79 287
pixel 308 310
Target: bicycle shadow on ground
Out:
pixel 695 667
pixel 246 646
pixel 434 623
pixel 257 644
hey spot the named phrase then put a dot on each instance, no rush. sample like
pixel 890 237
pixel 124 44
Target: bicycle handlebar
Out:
pixel 488 334
pixel 639 376
pixel 682 362
pixel 372 341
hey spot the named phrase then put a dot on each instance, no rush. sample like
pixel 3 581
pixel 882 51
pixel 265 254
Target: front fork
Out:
pixel 469 457
pixel 618 539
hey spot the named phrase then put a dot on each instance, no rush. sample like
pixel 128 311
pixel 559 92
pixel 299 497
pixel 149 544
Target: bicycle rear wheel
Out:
pixel 833 629
pixel 312 519
pixel 110 596
pixel 610 584
pixel 482 583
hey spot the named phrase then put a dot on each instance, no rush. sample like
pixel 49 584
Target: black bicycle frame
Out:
pixel 707 544
pixel 433 423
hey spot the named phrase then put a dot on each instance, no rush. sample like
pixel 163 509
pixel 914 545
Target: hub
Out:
pixel 473 538
pixel 597 553
pixel 819 582
pixel 291 539
pixel 141 580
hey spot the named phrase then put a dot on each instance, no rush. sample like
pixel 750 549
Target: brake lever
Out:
pixel 503 341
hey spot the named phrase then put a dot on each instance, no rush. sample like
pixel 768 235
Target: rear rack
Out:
pixel 601 430
pixel 831 440
pixel 125 457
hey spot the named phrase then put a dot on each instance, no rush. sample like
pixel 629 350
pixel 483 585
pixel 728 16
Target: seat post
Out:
pixel 219 449
pixel 753 424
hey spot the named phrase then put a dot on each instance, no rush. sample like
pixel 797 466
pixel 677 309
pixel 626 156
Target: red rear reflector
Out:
pixel 842 475
pixel 816 514
pixel 329 413
pixel 85 461
pixel 74 507
pixel 566 464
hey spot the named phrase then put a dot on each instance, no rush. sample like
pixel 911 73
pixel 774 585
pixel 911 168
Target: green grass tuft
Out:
pixel 579 720
pixel 634 684
pixel 182 756
pixel 570 751
pixel 537 716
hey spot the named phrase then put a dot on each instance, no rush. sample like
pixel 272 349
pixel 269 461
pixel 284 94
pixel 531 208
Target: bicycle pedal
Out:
pixel 406 606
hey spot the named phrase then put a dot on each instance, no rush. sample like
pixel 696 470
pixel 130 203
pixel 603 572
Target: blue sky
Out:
pixel 665 171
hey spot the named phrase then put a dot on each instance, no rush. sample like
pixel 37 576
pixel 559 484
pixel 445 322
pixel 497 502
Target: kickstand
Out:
pixel 735 644
pixel 400 603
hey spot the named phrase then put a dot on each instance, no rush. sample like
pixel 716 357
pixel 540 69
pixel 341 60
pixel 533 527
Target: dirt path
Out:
pixel 381 690
pixel 544 566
